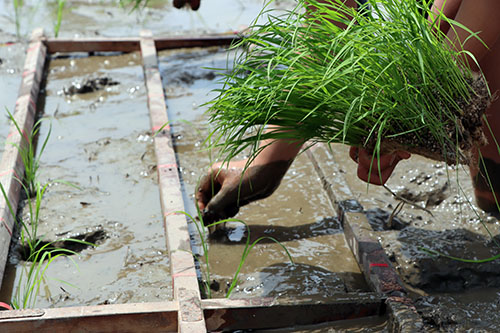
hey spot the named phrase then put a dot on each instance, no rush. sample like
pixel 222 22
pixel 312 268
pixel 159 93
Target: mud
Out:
pixel 101 142
pixel 89 85
pixel 446 221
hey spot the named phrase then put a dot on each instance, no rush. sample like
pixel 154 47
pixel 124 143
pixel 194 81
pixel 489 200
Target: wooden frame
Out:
pixel 187 312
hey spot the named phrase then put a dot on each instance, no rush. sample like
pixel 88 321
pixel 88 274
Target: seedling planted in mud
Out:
pixel 27 150
pixel 37 253
pixel 205 271
pixel 40 254
pixel 34 273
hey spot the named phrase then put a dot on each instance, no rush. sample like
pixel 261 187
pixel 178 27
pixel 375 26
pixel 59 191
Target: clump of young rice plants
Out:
pixel 388 80
pixel 205 267
pixel 37 253
pixel 33 274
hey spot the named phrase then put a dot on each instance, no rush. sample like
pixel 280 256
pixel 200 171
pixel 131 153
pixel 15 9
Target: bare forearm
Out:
pixel 479 16
pixel 277 149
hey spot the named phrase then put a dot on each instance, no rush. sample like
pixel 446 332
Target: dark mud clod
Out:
pixel 89 85
pixel 215 286
pixel 92 239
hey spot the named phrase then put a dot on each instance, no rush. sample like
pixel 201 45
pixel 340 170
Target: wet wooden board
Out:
pixel 138 317
pixel 271 313
pixel 370 255
pixel 182 267
pixel 11 166
pixel 220 315
pixel 133 44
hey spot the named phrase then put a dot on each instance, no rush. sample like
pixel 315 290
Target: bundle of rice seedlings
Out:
pixel 387 81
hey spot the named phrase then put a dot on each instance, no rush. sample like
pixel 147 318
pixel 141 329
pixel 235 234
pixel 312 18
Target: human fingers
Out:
pixel 378 170
pixel 367 159
pixel 208 186
pixel 353 153
pixel 221 206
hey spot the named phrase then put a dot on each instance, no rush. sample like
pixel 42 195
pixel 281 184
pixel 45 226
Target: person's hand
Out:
pixel 365 159
pixel 226 188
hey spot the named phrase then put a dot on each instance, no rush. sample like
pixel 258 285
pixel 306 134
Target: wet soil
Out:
pixel 451 295
pixel 100 141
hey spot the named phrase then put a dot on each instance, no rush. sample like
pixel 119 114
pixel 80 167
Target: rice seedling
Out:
pixel 38 254
pixel 27 150
pixel 17 7
pixel 34 273
pixel 205 267
pixel 387 81
pixel 59 14
pixel 28 229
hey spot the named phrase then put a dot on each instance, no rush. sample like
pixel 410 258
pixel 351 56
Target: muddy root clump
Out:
pixel 462 135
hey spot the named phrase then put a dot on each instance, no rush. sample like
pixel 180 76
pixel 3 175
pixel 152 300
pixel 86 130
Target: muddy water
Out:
pixel 11 64
pixel 100 142
pixel 107 18
pixel 298 214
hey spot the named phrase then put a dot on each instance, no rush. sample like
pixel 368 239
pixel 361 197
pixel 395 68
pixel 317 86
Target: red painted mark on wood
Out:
pixel 378 265
pixel 172 213
pixel 153 96
pixel 184 274
pixel 28 72
pixel 34 47
pixel 169 166
pixel 5 306
pixel 154 129
pixel 8 172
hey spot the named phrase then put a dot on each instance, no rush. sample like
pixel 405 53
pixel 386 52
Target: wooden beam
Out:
pixel 370 255
pixel 131 44
pixel 182 267
pixel 135 317
pixel 269 313
pixel 11 166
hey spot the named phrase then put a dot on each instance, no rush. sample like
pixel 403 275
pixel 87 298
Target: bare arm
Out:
pixel 479 16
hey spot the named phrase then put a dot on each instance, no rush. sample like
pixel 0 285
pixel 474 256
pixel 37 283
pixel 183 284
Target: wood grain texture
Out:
pixel 182 267
pixel 135 317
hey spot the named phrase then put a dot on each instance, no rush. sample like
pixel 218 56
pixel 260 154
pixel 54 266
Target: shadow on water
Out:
pixel 284 279
pixel 235 232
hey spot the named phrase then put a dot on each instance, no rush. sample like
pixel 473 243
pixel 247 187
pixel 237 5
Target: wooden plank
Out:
pixel 370 255
pixel 131 44
pixel 203 41
pixel 135 317
pixel 182 267
pixel 11 166
pixel 270 313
